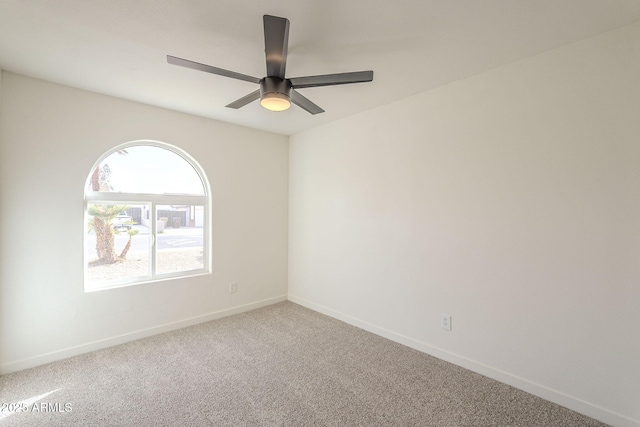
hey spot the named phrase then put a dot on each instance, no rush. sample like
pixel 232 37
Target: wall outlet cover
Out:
pixel 445 322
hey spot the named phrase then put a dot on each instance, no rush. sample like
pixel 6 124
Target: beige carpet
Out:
pixel 282 365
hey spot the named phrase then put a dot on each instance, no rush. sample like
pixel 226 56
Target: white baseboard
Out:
pixel 539 390
pixel 42 359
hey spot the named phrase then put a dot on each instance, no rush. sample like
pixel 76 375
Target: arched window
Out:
pixel 147 212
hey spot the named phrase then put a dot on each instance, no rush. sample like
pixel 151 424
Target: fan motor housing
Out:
pixel 277 85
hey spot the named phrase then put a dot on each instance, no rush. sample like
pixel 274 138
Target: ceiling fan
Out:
pixel 277 92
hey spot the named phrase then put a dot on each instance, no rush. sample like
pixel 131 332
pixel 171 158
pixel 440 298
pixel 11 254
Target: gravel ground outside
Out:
pixel 137 264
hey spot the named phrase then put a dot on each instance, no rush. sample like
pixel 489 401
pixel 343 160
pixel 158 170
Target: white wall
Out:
pixel 511 201
pixel 50 137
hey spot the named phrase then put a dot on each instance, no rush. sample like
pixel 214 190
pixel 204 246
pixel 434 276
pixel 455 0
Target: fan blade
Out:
pixel 276 41
pixel 332 79
pixel 304 103
pixel 245 100
pixel 209 69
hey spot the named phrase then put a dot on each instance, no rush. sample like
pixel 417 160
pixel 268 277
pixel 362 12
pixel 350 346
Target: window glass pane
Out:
pixel 146 169
pixel 180 239
pixel 117 242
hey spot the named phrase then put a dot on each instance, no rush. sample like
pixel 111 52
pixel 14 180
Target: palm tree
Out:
pixel 101 223
pixel 103 215
pixel 123 254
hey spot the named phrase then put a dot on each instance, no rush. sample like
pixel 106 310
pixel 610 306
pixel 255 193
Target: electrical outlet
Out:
pixel 445 322
pixel 233 287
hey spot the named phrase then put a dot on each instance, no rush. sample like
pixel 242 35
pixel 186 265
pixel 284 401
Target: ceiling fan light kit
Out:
pixel 275 102
pixel 276 92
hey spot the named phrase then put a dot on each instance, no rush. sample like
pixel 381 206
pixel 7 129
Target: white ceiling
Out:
pixel 119 47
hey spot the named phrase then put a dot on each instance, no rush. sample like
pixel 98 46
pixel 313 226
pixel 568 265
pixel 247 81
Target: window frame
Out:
pixel 152 200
